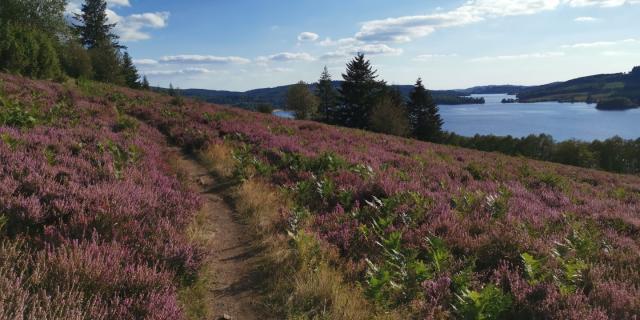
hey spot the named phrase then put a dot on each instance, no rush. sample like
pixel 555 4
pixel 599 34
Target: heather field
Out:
pixel 92 215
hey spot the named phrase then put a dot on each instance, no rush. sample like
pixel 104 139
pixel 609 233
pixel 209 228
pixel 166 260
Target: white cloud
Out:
pixel 328 42
pixel 287 56
pixel 376 49
pixel 308 37
pixel 367 49
pixel 404 29
pixel 408 28
pixel 121 3
pixel 130 28
pixel 186 71
pixel 600 3
pixel 203 59
pixel 598 44
pixel 585 19
pixel 525 56
pixel 75 5
pixel 279 70
pixel 613 53
pixel 427 57
pixel 145 62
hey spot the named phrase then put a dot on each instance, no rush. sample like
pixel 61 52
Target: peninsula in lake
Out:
pixel 618 91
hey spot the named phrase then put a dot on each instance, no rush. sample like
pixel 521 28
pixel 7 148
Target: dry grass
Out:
pixel 299 281
pixel 218 158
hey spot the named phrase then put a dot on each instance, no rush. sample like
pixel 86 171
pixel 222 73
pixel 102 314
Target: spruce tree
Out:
pixel 93 29
pixel 130 72
pixel 360 92
pixel 326 96
pixel 106 62
pixel 424 117
pixel 145 83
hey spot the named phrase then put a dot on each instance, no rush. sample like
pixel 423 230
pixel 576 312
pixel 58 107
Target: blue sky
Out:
pixel 245 44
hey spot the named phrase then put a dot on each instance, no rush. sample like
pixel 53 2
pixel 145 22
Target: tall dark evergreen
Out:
pixel 94 29
pixel 145 83
pixel 326 96
pixel 424 117
pixel 130 73
pixel 360 92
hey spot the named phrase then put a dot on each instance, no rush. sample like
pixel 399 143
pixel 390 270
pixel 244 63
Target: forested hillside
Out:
pixel 623 88
pixel 277 96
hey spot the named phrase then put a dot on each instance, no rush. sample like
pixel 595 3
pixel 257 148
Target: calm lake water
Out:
pixel 561 120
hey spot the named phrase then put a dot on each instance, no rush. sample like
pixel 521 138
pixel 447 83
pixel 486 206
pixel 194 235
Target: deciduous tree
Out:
pixel 389 115
pixel 302 101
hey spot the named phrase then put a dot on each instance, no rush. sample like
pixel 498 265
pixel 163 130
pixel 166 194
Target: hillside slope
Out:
pixel 277 96
pixel 430 230
pixel 596 88
pixel 440 231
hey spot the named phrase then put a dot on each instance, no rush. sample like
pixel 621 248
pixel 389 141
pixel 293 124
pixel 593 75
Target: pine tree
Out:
pixel 360 92
pixel 326 96
pixel 93 29
pixel 424 117
pixel 130 72
pixel 106 63
pixel 145 83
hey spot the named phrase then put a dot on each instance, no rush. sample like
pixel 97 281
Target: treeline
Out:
pixel 365 102
pixel 38 41
pixel 614 154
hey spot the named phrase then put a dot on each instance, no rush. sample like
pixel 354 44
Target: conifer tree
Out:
pixel 130 72
pixel 106 63
pixel 424 116
pixel 326 96
pixel 145 83
pixel 94 29
pixel 359 93
pixel 96 34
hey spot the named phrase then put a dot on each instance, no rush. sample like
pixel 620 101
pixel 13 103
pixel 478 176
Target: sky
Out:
pixel 245 44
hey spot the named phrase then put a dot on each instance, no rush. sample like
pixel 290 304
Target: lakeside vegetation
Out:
pixel 611 91
pixel 277 96
pixel 614 154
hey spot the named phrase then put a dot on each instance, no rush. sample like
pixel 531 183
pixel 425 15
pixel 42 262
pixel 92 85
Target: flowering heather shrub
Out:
pixel 440 231
pixel 444 232
pixel 91 216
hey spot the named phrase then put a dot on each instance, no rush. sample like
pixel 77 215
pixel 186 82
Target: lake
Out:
pixel 561 120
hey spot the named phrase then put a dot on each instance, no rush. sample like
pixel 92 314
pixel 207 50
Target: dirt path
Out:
pixel 232 293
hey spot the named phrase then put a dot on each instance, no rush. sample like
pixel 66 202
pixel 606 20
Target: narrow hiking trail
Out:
pixel 227 242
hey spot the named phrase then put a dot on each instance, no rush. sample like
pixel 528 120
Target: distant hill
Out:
pixel 604 89
pixel 494 89
pixel 276 96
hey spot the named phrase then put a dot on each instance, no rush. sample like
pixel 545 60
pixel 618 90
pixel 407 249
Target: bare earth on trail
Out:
pixel 229 248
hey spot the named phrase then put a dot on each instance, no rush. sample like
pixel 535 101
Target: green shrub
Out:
pixel 28 52
pixel 76 61
pixel 265 108
pixel 488 303
pixel 15 115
